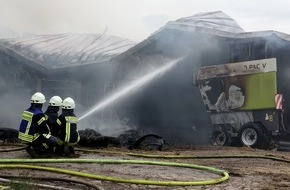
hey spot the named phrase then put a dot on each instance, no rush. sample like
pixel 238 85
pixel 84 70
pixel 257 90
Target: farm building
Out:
pixel 169 105
pixel 172 105
pixel 68 65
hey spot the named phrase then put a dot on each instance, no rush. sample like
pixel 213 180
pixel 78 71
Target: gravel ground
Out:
pixel 245 173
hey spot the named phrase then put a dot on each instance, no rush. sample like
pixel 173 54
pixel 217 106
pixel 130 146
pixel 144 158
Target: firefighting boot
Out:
pixel 66 151
pixel 59 150
pixel 31 152
pixel 71 150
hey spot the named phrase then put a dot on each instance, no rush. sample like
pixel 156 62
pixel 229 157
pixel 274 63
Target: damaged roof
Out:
pixel 215 23
pixel 219 24
pixel 209 20
pixel 66 50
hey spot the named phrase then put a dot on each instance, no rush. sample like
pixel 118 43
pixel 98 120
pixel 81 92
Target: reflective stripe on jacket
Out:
pixel 68 130
pixel 27 128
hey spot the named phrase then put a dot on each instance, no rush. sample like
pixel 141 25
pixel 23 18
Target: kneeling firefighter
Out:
pixel 67 123
pixel 34 130
pixel 51 114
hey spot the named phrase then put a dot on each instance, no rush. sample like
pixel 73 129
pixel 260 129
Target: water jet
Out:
pixel 133 86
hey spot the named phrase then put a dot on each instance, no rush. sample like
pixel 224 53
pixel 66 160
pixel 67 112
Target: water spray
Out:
pixel 134 85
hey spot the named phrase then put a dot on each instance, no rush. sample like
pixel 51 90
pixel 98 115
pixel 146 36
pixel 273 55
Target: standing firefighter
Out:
pixel 34 130
pixel 51 114
pixel 67 123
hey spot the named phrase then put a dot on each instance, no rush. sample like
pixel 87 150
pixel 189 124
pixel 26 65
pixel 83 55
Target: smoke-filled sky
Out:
pixel 132 19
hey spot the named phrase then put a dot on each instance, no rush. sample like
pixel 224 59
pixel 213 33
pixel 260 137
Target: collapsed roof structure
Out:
pixel 53 64
pixel 172 105
pixel 89 67
pixel 65 50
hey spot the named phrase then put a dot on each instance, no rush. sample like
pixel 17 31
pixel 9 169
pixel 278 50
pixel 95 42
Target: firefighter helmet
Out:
pixel 55 101
pixel 38 98
pixel 68 103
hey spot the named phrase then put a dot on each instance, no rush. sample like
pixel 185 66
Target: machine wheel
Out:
pixel 220 138
pixel 253 135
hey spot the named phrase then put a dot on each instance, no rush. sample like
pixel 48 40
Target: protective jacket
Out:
pixel 51 115
pixel 33 125
pixel 67 124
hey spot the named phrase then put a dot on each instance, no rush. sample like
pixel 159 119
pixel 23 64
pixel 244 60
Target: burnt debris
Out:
pixel 9 135
pixel 130 139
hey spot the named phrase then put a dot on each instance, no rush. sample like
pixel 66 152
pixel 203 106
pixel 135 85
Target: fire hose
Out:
pixel 274 158
pixel 14 164
pixel 3 178
pixel 11 163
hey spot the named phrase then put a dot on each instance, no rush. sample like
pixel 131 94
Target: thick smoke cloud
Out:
pixel 109 121
pixel 12 104
pixel 170 105
pixel 70 16
pixel 141 18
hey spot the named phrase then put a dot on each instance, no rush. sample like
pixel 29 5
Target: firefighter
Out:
pixel 67 123
pixel 34 130
pixel 51 114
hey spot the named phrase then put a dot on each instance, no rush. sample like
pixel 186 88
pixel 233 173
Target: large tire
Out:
pixel 220 138
pixel 254 135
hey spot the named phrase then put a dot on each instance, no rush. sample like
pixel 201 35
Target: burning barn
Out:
pixel 75 65
pixel 166 103
pixel 172 105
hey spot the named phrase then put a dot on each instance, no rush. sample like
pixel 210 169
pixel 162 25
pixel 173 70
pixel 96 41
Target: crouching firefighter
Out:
pixel 34 130
pixel 51 114
pixel 68 135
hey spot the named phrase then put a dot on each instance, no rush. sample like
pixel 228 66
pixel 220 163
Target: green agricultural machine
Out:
pixel 244 105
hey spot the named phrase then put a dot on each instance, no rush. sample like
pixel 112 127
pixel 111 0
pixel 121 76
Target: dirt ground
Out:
pixel 245 173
